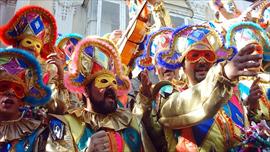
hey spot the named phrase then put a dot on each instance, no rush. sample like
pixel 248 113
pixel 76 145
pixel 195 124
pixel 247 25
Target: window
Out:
pixel 177 20
pixel 110 17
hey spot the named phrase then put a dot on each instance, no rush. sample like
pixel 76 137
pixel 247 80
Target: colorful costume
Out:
pixel 215 132
pixel 195 107
pixel 20 67
pixel 239 35
pixel 33 29
pixel 157 55
pixel 96 58
pixel 65 46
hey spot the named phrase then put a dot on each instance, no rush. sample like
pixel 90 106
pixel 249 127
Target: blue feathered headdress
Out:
pixel 21 67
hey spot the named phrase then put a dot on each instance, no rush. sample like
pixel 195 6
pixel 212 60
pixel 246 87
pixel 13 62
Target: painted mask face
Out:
pixel 105 80
pixel 31 44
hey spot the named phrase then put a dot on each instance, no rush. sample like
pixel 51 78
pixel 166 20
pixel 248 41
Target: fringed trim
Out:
pixel 145 61
pixel 168 60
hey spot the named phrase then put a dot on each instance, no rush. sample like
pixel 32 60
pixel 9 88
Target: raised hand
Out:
pixel 146 84
pixel 54 59
pixel 255 94
pixel 99 142
pixel 243 60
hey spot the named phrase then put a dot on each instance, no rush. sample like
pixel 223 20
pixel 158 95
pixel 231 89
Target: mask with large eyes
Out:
pixel 32 44
pixel 104 80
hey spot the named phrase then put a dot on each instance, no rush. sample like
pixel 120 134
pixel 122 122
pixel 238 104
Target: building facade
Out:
pixel 98 17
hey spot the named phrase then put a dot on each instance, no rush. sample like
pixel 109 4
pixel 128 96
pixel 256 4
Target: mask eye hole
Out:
pixel 194 55
pixel 28 42
pixel 114 82
pixel 207 54
pixel 38 46
pixel 3 86
pixel 103 81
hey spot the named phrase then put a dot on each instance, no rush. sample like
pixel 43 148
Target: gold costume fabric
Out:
pixel 78 120
pixel 17 129
pixel 190 107
pixel 23 134
pixel 197 103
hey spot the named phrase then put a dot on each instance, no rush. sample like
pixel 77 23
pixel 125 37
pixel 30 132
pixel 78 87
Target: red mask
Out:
pixel 16 88
pixel 195 55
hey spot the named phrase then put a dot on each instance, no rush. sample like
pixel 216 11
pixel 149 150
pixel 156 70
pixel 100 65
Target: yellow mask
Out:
pixel 104 80
pixel 31 43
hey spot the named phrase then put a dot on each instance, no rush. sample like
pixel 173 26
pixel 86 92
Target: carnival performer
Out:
pixel 208 89
pixel 260 14
pixel 166 68
pixel 34 29
pixel 158 44
pixel 254 90
pixel 65 46
pixel 21 86
pixel 95 71
pixel 200 53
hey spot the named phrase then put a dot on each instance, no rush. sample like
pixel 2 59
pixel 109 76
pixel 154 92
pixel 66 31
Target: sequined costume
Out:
pixel 96 57
pixel 190 112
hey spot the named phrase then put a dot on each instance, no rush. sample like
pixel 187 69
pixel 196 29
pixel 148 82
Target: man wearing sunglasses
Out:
pixel 21 85
pixel 192 119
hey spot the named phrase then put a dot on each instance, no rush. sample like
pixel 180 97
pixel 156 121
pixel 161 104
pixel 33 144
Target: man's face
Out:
pixel 9 103
pixel 197 64
pixel 165 74
pixel 103 99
